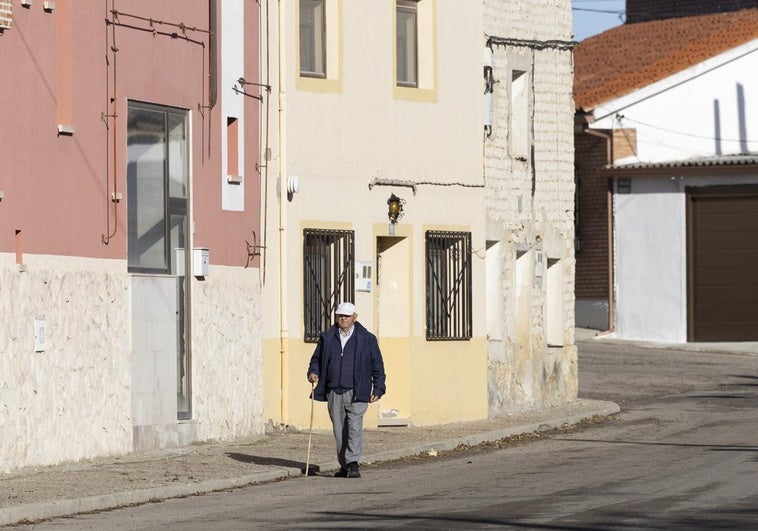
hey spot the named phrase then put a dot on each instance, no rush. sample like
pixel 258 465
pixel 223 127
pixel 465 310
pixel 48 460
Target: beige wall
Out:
pixel 339 136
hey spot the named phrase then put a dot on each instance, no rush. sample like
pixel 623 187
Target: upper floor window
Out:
pixel 414 50
pixel 520 123
pixel 407 43
pixel 313 38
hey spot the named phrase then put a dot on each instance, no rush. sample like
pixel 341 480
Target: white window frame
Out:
pixel 406 43
pixel 326 77
pixel 158 167
pixel 519 114
pixel 313 41
pixel 420 86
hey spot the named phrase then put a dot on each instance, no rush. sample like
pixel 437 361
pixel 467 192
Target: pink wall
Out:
pixel 57 188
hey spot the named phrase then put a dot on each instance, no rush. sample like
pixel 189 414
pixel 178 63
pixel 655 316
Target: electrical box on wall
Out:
pixel 362 276
pixel 200 261
pixel 40 333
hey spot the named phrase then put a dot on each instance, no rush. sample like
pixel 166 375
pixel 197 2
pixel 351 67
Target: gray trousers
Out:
pixel 347 422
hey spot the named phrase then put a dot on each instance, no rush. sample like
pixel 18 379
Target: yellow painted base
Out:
pixel 427 383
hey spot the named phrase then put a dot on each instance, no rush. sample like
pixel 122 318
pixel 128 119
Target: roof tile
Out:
pixel 633 56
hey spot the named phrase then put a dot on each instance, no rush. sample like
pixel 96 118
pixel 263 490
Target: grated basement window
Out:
pixel 328 277
pixel 448 285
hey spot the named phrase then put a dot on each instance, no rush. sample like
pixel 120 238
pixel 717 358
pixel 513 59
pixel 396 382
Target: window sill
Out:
pixel 315 84
pixel 423 95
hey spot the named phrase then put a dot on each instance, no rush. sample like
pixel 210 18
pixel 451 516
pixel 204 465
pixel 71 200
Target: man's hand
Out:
pixel 373 399
pixel 313 377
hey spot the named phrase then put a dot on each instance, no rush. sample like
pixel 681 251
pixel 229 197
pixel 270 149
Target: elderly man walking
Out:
pixel 348 371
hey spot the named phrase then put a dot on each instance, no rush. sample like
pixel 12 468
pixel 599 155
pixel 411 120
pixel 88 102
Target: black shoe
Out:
pixel 341 473
pixel 352 470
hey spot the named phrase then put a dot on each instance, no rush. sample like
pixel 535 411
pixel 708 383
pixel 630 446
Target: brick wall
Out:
pixel 624 143
pixel 592 276
pixel 643 10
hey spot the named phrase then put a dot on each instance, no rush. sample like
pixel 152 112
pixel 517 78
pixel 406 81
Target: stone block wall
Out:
pixel 530 205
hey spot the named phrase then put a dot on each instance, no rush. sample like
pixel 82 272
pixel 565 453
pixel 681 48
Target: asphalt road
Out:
pixel 683 454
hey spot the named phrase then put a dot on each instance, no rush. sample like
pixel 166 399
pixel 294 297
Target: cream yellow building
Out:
pixel 376 104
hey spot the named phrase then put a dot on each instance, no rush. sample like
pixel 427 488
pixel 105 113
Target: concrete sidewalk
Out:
pixel 39 493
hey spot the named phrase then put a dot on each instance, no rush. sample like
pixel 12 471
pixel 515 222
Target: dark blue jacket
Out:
pixel 368 370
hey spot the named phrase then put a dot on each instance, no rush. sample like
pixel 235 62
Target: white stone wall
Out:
pixel 73 400
pixel 524 372
pixel 227 357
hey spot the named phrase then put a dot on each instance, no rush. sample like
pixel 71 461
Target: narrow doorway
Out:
pixel 157 235
pixel 393 323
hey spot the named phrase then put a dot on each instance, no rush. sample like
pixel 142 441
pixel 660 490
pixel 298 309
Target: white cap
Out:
pixel 346 308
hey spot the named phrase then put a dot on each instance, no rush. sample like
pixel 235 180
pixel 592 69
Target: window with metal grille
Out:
pixel 448 285
pixel 329 272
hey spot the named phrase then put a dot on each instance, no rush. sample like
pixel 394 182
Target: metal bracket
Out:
pixel 253 250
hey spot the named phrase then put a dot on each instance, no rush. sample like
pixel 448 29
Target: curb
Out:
pixel 605 409
pixel 54 509
pixel 59 508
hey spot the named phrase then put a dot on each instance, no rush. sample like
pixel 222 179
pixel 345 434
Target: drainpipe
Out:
pixel 608 137
pixel 283 329
pixel 213 60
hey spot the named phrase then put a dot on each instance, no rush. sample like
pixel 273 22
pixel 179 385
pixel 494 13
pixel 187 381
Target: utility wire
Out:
pixel 659 128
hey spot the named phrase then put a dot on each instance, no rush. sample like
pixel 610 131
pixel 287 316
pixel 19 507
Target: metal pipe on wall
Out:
pixel 212 59
pixel 283 317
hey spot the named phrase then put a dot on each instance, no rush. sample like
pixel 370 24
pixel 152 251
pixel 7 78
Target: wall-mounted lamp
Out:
pixel 394 211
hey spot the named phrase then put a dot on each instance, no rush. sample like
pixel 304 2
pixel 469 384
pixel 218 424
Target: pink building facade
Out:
pixel 130 131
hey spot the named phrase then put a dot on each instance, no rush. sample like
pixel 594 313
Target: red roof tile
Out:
pixel 633 56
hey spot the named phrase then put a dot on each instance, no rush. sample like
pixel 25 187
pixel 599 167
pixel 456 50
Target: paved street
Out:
pixel 683 454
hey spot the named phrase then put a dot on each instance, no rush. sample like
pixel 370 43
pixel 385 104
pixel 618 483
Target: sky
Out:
pixel 595 16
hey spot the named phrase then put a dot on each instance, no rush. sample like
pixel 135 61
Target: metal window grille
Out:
pixel 328 270
pixel 448 285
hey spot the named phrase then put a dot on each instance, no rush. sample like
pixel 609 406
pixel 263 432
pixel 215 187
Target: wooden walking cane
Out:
pixel 310 433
